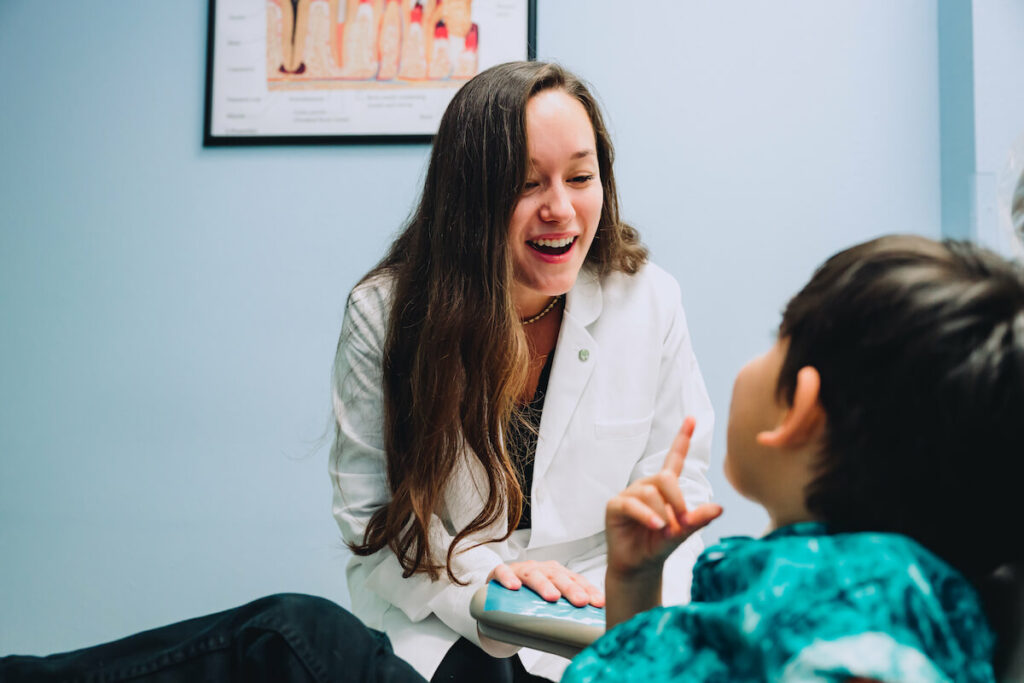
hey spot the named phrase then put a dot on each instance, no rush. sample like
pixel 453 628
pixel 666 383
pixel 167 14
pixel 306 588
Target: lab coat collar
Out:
pixel 583 302
pixel 575 357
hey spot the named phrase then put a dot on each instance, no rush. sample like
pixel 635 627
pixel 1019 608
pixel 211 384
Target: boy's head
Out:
pixel 900 383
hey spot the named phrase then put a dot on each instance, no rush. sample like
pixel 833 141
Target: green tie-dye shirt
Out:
pixel 804 605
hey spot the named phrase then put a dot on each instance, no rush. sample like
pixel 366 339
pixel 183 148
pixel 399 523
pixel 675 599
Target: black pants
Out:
pixel 279 639
pixel 466 663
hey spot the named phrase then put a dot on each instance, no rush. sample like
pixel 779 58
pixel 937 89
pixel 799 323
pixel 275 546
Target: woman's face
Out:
pixel 556 217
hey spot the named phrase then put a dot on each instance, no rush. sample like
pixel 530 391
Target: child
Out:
pixel 882 433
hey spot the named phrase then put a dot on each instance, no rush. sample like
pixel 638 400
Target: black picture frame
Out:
pixel 216 132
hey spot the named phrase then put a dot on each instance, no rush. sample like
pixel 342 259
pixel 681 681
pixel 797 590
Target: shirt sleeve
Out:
pixel 359 481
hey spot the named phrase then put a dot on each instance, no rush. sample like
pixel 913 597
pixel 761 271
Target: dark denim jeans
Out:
pixel 467 663
pixel 281 639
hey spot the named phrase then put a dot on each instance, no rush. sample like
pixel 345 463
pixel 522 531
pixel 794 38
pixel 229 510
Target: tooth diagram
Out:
pixel 440 59
pixel 390 41
pixel 467 61
pixel 360 49
pixel 414 59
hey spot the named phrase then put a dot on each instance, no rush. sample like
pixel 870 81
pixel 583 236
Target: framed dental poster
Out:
pixel 344 71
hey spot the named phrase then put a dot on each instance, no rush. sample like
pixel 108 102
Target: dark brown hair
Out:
pixel 920 349
pixel 455 354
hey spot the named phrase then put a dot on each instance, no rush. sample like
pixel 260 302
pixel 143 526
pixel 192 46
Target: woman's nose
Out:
pixel 557 207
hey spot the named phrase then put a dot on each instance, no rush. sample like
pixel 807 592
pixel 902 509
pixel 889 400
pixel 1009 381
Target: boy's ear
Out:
pixel 804 420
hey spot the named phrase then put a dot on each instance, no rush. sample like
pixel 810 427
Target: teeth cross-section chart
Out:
pixel 352 67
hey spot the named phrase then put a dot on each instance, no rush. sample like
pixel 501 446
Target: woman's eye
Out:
pixel 529 185
pixel 582 178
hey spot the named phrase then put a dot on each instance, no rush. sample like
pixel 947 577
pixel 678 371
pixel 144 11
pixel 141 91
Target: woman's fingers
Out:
pixel 595 596
pixel 552 581
pixel 506 576
pixel 537 580
pixel 568 584
pixel 575 587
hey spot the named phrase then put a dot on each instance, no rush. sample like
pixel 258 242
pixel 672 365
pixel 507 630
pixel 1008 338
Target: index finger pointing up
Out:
pixel 680 445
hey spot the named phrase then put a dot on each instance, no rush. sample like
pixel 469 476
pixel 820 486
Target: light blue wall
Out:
pixel 168 314
pixel 956 115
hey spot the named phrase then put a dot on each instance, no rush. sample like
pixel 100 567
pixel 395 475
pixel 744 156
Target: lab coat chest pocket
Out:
pixel 595 466
pixel 619 444
pixel 620 430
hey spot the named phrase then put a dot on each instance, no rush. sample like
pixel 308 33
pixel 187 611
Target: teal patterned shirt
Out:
pixel 801 604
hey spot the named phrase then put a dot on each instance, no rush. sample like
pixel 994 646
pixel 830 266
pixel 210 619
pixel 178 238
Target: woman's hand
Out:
pixel 550 580
pixel 649 520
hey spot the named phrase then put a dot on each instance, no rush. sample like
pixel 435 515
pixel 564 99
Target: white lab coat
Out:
pixel 623 378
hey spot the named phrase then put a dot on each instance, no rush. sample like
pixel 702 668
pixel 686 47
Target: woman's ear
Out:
pixel 804 420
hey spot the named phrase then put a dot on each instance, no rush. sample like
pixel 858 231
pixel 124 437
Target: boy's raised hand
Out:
pixel 649 520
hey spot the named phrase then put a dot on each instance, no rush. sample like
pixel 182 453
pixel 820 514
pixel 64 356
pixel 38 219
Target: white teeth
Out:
pixel 565 241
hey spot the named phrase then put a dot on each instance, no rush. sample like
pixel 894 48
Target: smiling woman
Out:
pixel 479 366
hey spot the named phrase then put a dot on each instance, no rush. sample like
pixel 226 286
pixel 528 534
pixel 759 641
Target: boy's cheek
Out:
pixel 727 470
pixel 749 409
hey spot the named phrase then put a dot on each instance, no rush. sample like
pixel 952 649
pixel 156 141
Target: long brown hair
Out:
pixel 455 356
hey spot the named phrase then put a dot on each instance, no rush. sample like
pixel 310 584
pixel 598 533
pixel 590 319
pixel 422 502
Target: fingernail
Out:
pixel 657 523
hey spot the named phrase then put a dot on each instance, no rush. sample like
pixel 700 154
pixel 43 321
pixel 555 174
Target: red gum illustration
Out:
pixel 440 31
pixel 471 38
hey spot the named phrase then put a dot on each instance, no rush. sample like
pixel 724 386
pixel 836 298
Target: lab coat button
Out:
pixel 584 355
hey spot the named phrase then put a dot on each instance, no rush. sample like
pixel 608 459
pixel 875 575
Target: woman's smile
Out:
pixel 553 250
